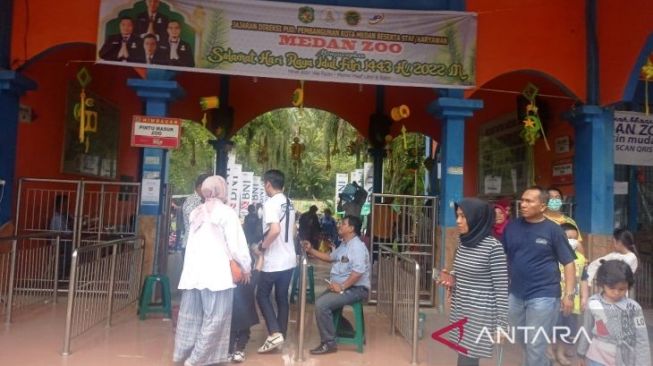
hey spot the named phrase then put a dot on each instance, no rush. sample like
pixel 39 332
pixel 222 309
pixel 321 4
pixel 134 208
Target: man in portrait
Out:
pixel 152 21
pixel 125 46
pixel 176 51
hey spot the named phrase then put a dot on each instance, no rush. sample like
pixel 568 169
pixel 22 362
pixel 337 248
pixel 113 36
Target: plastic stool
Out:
pixel 359 327
pixel 310 288
pixel 145 307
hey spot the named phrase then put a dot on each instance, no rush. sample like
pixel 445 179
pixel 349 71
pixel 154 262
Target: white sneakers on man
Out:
pixel 273 341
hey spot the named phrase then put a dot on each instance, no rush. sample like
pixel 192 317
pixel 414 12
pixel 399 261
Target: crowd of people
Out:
pixel 528 276
pixel 218 307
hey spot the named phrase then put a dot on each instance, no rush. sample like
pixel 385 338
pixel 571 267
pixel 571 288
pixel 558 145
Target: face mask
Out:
pixel 554 204
pixel 573 243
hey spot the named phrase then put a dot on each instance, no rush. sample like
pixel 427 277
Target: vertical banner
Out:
pixel 257 189
pixel 341 181
pixel 233 183
pixel 368 185
pixel 247 184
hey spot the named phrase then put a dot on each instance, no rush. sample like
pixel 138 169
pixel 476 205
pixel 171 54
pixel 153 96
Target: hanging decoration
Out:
pixel 647 73
pixel 397 114
pixel 296 150
pixel 532 129
pixel 207 103
pixel 88 119
pixel 298 96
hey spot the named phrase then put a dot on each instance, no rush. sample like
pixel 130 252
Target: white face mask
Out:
pixel 573 243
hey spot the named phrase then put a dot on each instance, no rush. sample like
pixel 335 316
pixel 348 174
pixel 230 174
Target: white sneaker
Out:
pixel 272 342
pixel 238 357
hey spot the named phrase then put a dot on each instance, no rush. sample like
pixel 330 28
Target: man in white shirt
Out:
pixel 279 259
pixel 177 51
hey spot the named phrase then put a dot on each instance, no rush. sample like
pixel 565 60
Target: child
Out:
pixel 243 314
pixel 624 250
pixel 614 322
pixel 564 346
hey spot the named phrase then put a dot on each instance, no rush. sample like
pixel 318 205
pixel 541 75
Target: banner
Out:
pixel 633 138
pixel 233 186
pixel 292 41
pixel 247 185
pixel 257 190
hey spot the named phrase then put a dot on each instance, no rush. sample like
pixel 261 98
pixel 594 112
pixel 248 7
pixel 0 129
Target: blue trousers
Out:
pixel 276 322
pixel 533 321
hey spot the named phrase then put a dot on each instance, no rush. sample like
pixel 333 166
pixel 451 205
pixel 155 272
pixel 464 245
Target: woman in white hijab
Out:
pixel 215 237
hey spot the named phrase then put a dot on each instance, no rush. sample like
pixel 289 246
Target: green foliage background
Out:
pixel 331 145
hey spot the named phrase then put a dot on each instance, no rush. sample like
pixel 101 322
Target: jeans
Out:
pixel 330 301
pixel 276 323
pixel 536 317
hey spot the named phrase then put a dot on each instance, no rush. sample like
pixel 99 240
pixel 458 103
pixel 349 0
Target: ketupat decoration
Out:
pixel 647 73
pixel 532 123
pixel 532 129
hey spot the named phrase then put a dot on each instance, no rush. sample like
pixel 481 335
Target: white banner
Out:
pixel 247 185
pixel 356 176
pixel 257 190
pixel 292 41
pixel 633 138
pixel 233 185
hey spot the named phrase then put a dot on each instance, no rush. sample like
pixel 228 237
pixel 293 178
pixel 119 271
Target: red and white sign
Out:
pixel 160 132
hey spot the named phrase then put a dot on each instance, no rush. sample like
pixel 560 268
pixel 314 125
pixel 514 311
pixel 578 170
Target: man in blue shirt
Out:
pixel 349 281
pixel 534 247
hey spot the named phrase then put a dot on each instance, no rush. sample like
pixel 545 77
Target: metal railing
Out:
pixel 400 303
pixel 104 279
pixel 407 224
pixel 301 321
pixel 29 271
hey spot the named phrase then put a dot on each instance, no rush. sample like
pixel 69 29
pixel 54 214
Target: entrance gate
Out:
pixel 407 224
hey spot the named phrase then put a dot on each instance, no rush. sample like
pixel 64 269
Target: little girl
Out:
pixel 614 322
pixel 624 250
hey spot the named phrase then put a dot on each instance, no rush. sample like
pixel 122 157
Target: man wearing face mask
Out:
pixel 553 212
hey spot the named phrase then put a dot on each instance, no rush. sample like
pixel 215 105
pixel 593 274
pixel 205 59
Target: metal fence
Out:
pixel 301 314
pixel 399 295
pixel 29 269
pixel 104 279
pixel 87 211
pixel 406 224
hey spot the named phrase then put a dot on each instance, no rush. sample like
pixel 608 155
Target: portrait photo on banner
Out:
pixel 149 32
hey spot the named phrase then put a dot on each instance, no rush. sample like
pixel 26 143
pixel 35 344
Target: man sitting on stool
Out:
pixel 349 281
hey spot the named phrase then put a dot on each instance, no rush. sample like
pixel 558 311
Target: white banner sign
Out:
pixel 246 193
pixel 233 186
pixel 257 190
pixel 292 41
pixel 633 138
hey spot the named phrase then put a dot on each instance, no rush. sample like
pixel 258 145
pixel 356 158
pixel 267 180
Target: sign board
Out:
pixel 293 41
pixel 157 132
pixel 633 138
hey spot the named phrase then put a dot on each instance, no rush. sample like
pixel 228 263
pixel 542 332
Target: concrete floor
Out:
pixel 35 338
